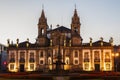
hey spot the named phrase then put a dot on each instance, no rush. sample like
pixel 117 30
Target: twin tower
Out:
pixel 60 35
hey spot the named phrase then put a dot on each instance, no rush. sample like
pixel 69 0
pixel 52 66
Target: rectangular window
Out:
pixel 96 54
pixel 107 66
pixel 22 54
pixel 107 55
pixel 31 55
pixel 41 54
pixel 31 66
pixel 86 55
pixel 11 66
pixel 86 66
pixel 76 62
pixel 41 62
pixel 76 54
pixel 12 55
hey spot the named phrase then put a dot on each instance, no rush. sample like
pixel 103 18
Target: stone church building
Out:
pixel 64 44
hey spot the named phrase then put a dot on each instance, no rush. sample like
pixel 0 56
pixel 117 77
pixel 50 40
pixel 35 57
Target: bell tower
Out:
pixel 75 29
pixel 42 30
pixel 42 25
pixel 75 24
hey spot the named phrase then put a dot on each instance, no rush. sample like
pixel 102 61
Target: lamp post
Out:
pixel 115 55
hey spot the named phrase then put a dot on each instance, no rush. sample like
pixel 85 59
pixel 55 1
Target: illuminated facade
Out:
pixel 42 55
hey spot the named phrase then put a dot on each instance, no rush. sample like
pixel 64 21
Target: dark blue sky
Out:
pixel 99 18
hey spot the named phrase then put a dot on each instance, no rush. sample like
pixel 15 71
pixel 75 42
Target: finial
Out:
pixel 101 38
pixel 101 41
pixel 17 42
pixel 8 42
pixel 90 41
pixel 27 39
pixel 27 44
pixel 111 41
pixel 51 26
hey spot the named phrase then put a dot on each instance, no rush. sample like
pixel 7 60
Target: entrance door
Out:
pixel 21 67
pixel 97 67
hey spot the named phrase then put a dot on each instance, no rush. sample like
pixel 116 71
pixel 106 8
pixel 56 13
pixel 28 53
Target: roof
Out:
pixel 62 29
pixel 23 45
pixel 97 44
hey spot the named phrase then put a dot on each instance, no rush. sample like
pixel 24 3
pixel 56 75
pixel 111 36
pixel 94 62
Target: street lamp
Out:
pixel 115 55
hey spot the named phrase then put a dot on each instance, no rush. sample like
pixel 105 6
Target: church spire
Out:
pixel 42 30
pixel 75 24
pixel 75 12
pixel 42 24
pixel 42 14
pixel 76 39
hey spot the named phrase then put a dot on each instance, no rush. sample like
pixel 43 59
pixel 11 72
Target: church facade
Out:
pixel 63 42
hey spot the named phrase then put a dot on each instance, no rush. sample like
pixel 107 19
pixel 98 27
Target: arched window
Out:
pixel 42 31
pixel 75 29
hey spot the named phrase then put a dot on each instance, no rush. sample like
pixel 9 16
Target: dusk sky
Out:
pixel 99 18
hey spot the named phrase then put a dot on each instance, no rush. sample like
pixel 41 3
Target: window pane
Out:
pixel 41 61
pixel 41 54
pixel 31 66
pixel 31 55
pixel 76 54
pixel 86 66
pixel 86 56
pixel 76 61
pixel 11 66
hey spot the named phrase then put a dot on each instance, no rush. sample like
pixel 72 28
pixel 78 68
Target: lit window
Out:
pixel 31 66
pixel 107 66
pixel 42 31
pixel 86 56
pixel 11 66
pixel 49 61
pixel 96 54
pixel 67 61
pixel 86 66
pixel 107 55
